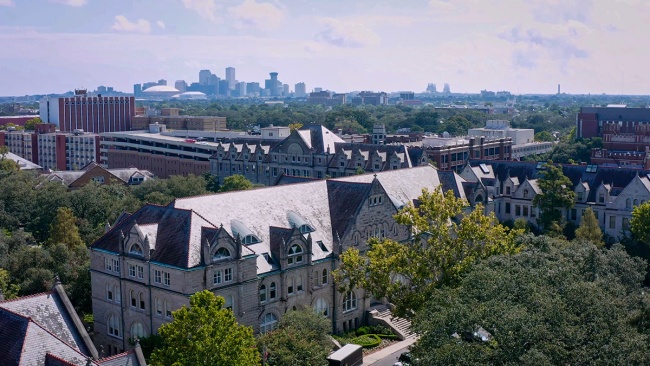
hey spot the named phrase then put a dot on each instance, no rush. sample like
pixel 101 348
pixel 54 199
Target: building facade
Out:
pixel 266 251
pixel 453 154
pixel 200 123
pixel 90 113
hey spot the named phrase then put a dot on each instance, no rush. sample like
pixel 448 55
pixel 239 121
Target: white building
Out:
pixel 501 128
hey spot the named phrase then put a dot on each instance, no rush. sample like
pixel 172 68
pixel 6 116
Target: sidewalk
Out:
pixel 385 352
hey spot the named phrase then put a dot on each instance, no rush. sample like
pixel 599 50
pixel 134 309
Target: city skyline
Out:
pixel 52 46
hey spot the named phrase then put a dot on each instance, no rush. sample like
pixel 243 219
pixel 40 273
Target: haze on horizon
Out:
pixel 523 46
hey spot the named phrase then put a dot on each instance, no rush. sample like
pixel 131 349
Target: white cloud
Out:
pixel 124 25
pixel 160 24
pixel 7 3
pixel 263 16
pixel 71 2
pixel 347 34
pixel 205 8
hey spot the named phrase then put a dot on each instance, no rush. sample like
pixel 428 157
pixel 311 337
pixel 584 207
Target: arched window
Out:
pixel 269 322
pixel 350 301
pixel 316 278
pixel 229 303
pixel 628 203
pixel 635 202
pixel 322 307
pixel 325 277
pixel 295 254
pixel 221 253
pixel 158 306
pixel 114 326
pixel 299 284
pixel 134 301
pixel 272 291
pixel 168 309
pixel 141 300
pixel 263 293
pixel 137 331
pixel 525 194
pixel 290 286
pixel 117 294
pixel 109 292
pixel 136 249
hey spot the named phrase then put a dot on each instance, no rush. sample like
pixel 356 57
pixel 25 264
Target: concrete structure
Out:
pixel 67 151
pixel 181 85
pixel 454 153
pixel 592 121
pixel 378 134
pixel 175 122
pixel 300 90
pixel 531 148
pixel 371 98
pixel 44 329
pixel 230 77
pixel 501 129
pixel 20 143
pixel 191 95
pixel 326 98
pixel 204 77
pixel 266 251
pixel 274 84
pixel 89 113
pixel 160 92
pixel 274 132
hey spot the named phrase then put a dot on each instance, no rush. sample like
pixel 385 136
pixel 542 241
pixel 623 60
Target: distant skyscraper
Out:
pixel 223 88
pixel 91 114
pixel 300 90
pixel 318 90
pixel 230 77
pixel 213 79
pixel 431 88
pixel 252 88
pixel 446 88
pixel 274 84
pixel 285 90
pixel 204 77
pixel 181 85
pixel 558 88
pixel 137 90
pixel 241 89
pixel 162 82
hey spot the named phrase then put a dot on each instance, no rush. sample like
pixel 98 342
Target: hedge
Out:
pixel 367 341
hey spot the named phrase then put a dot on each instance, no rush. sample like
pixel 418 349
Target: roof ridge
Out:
pixel 59 358
pixel 109 358
pixel 26 297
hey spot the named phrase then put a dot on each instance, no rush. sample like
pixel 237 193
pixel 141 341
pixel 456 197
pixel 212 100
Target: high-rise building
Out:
pixel 431 88
pixel 213 80
pixel 162 82
pixel 274 84
pixel 407 95
pixel 446 88
pixel 223 88
pixel 204 77
pixel 230 77
pixel 300 90
pixel 181 85
pixel 253 88
pixel 137 90
pixel 241 89
pixel 285 90
pixel 89 113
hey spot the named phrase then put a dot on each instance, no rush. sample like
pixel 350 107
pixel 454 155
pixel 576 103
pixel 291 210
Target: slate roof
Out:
pixel 68 177
pixel 319 138
pixel 344 201
pixel 451 181
pixel 284 179
pixel 23 163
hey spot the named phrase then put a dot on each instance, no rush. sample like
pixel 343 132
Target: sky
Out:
pixel 522 46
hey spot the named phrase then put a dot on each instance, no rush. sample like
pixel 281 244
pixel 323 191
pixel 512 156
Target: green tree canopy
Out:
pixel 30 125
pixel 557 195
pixel 302 338
pixel 205 334
pixel 589 229
pixel 553 304
pixel 64 230
pixel 235 182
pixel 442 250
pixel 640 222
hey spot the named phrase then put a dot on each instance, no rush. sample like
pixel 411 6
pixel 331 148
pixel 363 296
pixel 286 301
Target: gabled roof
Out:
pixel 344 201
pixel 319 138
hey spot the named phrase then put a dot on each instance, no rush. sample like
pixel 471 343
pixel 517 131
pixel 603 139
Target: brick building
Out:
pixel 455 153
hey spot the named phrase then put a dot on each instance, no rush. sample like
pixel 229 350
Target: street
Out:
pixel 388 360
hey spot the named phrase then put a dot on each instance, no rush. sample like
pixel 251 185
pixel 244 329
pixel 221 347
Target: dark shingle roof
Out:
pixel 344 200
pixel 448 182
pixel 13 329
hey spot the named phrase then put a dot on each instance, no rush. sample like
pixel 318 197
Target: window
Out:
pixel 601 198
pixel 168 309
pixel 269 322
pixel 304 229
pixel 507 207
pixel 525 193
pixel 221 253
pixel 263 293
pixel 217 277
pixel 580 196
pixel 635 202
pixel 375 200
pixel 98 179
pixel 141 300
pixel 250 239
pixel 295 254
pixel 517 210
pixel 227 274
pixel 316 278
pixel 626 223
pixel 114 327
pixel 137 330
pixel 350 301
pixel 525 208
pixel 612 222
pixel 321 307
pixel 116 294
pixel 109 292
pixel 628 203
pixel 573 214
pixel 134 302
pixel 299 284
pixel 508 190
pixel 158 304
pixel 229 303
pixel 131 270
pixel 290 286
pixel 167 281
pixel 157 276
pixel 272 291
pixel 140 272
pixel 136 249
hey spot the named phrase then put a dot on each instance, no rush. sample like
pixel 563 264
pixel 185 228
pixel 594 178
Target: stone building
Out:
pixel 266 251
pixel 508 188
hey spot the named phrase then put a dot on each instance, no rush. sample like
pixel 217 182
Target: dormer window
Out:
pixel 250 239
pixel 580 196
pixel 304 229
pixel 135 249
pixel 508 190
pixel 295 254
pixel 221 253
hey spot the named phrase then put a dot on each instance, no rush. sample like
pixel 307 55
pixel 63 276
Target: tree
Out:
pixel 302 338
pixel 235 182
pixel 552 304
pixel 205 334
pixel 442 250
pixel 64 230
pixel 557 194
pixel 30 125
pixel 640 222
pixel 295 126
pixel 544 136
pixel 589 229
pixel 7 165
